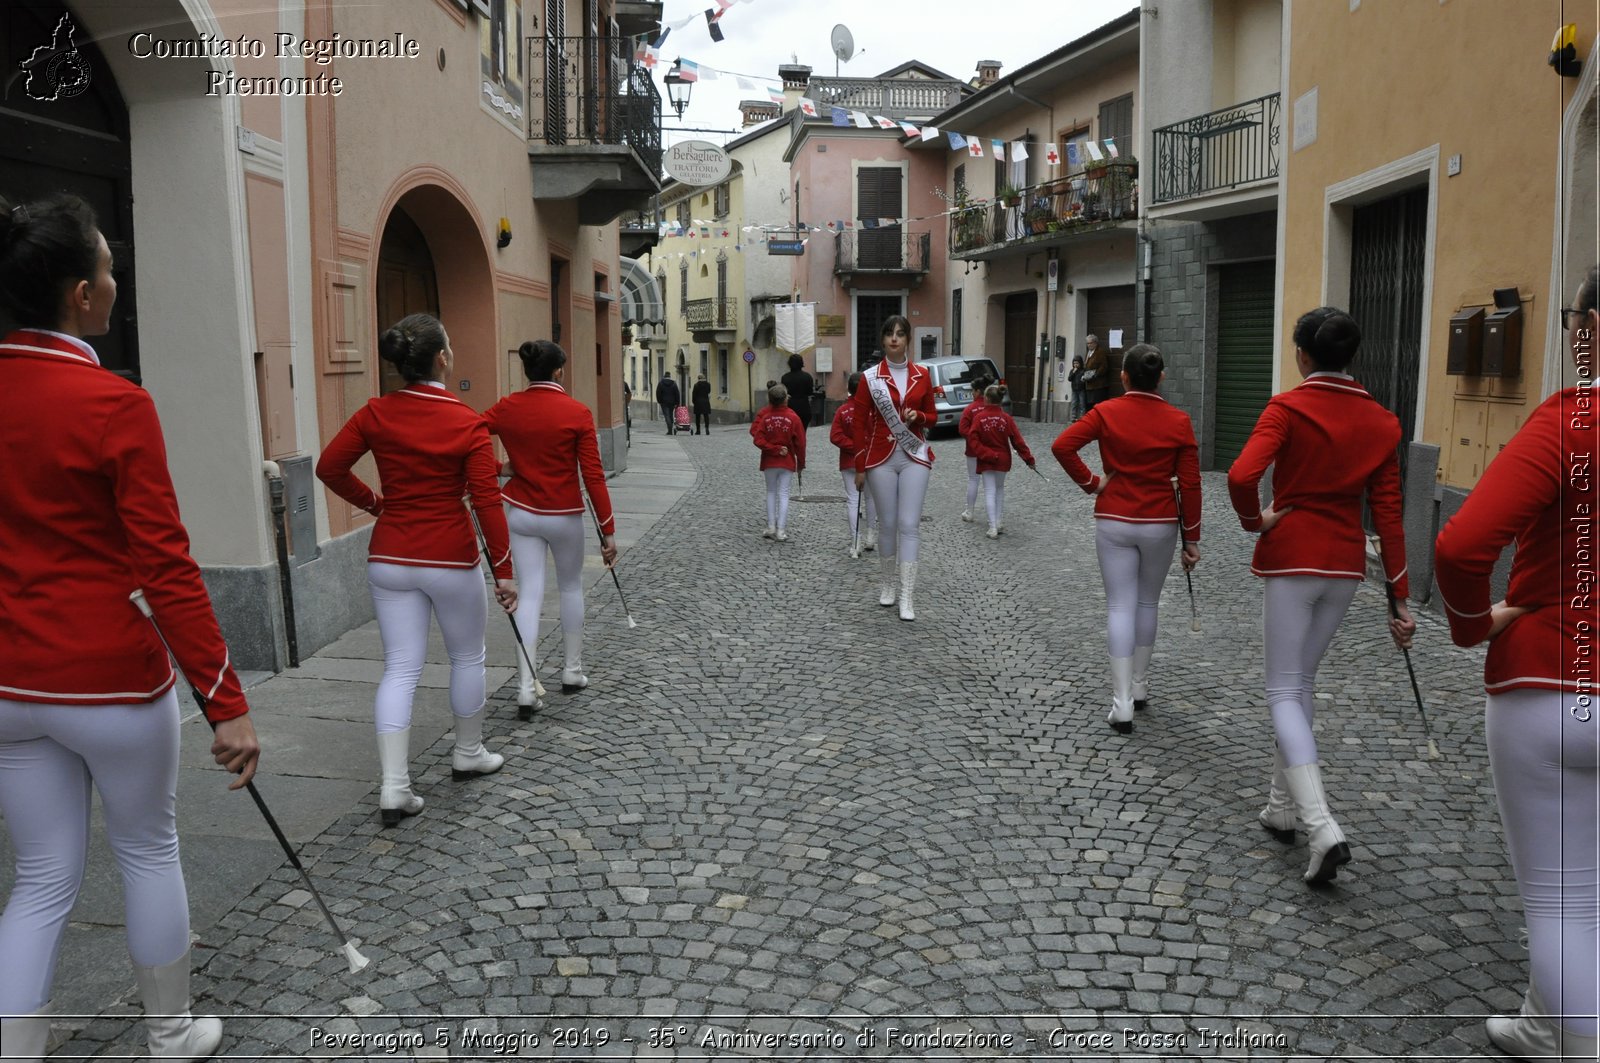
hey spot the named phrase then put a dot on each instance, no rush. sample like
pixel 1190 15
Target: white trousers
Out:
pixel 406 597
pixel 1134 559
pixel 1545 760
pixel 898 487
pixel 852 502
pixel 778 496
pixel 1300 616
pixel 994 497
pixel 49 757
pixel 974 481
pixel 532 534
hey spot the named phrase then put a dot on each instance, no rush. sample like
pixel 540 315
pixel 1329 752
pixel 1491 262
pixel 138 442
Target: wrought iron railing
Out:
pixel 1102 194
pixel 891 250
pixel 590 90
pixel 1217 151
pixel 703 314
pixel 643 221
pixel 890 97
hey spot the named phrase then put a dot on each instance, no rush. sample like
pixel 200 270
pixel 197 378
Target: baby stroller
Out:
pixel 680 417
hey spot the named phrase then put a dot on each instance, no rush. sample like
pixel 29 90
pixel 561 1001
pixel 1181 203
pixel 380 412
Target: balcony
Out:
pixel 881 253
pixel 1222 151
pixel 638 231
pixel 891 97
pixel 1104 196
pixel 710 316
pixel 594 126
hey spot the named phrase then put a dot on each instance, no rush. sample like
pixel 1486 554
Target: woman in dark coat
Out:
pixel 800 386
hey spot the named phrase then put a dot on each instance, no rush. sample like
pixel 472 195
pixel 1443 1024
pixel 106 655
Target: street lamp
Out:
pixel 678 90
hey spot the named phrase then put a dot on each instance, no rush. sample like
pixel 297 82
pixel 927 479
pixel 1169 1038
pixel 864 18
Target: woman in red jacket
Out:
pixel 1540 492
pixel 87 691
pixel 995 435
pixel 1329 444
pixel 964 427
pixel 430 448
pixel 843 436
pixel 781 438
pixel 1144 445
pixel 549 437
pixel 893 413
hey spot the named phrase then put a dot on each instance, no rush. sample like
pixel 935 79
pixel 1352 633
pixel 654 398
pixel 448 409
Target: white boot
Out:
pixel 1323 836
pixel 173 1032
pixel 771 532
pixel 572 677
pixel 855 547
pixel 395 799
pixel 1121 716
pixel 469 758
pixel 886 574
pixel 872 538
pixel 993 532
pixel 908 584
pixel 1278 816
pixel 26 1036
pixel 1141 675
pixel 966 514
pixel 1534 1034
pixel 528 700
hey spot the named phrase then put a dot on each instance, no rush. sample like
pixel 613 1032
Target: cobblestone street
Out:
pixel 780 810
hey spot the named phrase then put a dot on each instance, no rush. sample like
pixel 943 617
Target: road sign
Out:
pixel 749 357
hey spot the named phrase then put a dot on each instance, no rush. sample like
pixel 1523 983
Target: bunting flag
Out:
pixel 860 119
pixel 745 84
pixel 1095 154
pixel 808 107
pixel 957 141
pixel 975 147
pixel 709 73
pixel 1111 147
pixel 687 69
pixel 930 132
pixel 840 116
pixel 1074 156
pixel 1019 151
pixel 910 130
pixel 775 95
pixel 869 223
pixel 711 24
pixel 1052 156
pixel 885 123
pixel 999 147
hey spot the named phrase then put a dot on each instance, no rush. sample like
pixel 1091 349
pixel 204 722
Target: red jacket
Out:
pixel 965 425
pixel 843 434
pixel 1146 442
pixel 87 516
pixel 874 444
pixel 431 448
pixel 994 434
pixel 1539 492
pixel 549 437
pixel 1329 442
pixel 775 429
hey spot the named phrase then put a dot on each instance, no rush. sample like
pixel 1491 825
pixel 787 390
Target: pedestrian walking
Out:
pixel 87 691
pixel 842 435
pixel 778 434
pixel 1075 379
pixel 1144 443
pixel 550 440
pixel 1539 715
pixel 996 436
pixel 1330 444
pixel 422 562
pixel 1096 377
pixel 627 410
pixel 668 398
pixel 801 388
pixel 963 427
pixel 701 397
pixel 893 413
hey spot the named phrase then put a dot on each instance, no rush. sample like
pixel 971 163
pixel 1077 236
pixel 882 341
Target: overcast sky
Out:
pixel 949 35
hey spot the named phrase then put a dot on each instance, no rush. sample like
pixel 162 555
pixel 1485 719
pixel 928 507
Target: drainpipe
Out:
pixel 280 528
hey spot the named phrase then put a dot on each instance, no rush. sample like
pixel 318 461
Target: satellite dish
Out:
pixel 843 44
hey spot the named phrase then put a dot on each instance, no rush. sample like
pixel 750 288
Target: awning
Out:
pixel 641 296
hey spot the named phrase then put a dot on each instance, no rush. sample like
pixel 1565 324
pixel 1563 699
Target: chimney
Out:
pixel 757 111
pixel 988 72
pixel 795 78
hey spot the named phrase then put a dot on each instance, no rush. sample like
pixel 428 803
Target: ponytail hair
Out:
pixel 852 382
pixel 410 345
pixel 1144 365
pixel 46 247
pixel 1329 336
pixel 541 359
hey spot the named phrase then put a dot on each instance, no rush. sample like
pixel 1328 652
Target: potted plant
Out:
pixel 1118 186
pixel 1039 215
pixel 1008 196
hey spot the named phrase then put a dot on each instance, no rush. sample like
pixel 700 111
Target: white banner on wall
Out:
pixel 795 327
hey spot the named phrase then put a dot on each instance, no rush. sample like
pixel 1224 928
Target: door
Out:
pixel 406 284
pixel 1244 355
pixel 871 312
pixel 1111 319
pixel 1022 323
pixel 1387 256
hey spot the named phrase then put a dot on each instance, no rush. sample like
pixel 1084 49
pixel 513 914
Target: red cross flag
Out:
pixel 975 147
pixel 1052 156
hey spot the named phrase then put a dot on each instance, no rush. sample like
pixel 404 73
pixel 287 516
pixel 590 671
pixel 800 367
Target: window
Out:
pixel 705 360
pixel 1073 153
pixel 724 197
pixel 1116 124
pixel 961 180
pixel 955 323
pixel 682 215
pixel 878 192
pixel 500 54
pixel 722 370
pixel 683 289
pixel 661 286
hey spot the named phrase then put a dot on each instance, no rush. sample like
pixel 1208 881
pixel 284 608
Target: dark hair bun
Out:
pixel 1144 365
pixel 1329 336
pixel 410 345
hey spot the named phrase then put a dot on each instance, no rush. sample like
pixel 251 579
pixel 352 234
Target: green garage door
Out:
pixel 1244 355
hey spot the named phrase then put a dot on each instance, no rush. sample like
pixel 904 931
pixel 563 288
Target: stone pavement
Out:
pixel 782 822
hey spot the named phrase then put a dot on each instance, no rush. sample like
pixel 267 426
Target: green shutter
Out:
pixel 1244 355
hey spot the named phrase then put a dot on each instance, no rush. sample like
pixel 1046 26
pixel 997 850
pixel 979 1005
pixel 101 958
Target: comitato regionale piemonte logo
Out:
pixel 56 71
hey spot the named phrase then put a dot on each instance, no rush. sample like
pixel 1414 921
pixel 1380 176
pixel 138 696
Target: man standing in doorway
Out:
pixel 1096 372
pixel 669 399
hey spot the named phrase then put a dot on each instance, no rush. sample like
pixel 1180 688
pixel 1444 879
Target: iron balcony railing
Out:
pixel 1218 151
pixel 890 97
pixel 704 314
pixel 891 250
pixel 1102 194
pixel 590 90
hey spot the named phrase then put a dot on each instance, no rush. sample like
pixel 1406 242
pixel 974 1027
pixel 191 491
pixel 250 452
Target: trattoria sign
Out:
pixel 697 163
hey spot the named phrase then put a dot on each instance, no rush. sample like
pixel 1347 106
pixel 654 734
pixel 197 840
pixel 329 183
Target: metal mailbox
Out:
pixel 1465 356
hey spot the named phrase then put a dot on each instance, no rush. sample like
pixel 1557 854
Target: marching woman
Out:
pixel 1144 444
pixel 1330 444
pixel 995 435
pixel 781 437
pixel 843 435
pixel 550 438
pixel 87 692
pixel 964 426
pixel 893 413
pixel 430 448
pixel 1540 492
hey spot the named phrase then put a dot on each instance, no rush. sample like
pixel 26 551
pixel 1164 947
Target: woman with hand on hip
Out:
pixel 431 448
pixel 894 409
pixel 1540 718
pixel 1144 444
pixel 89 517
pixel 1330 445
pixel 550 438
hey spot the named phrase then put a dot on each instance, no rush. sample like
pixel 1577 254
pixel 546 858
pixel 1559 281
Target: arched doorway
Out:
pixel 76 142
pixel 407 284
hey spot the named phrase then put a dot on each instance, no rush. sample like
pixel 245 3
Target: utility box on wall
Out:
pixel 1465 355
pixel 1502 335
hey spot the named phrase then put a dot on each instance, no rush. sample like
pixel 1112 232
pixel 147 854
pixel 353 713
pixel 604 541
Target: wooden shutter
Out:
pixel 878 195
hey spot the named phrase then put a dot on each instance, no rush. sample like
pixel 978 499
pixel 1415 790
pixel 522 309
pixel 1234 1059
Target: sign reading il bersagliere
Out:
pixel 696 162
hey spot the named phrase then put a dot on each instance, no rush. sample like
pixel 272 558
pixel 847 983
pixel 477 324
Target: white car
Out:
pixel 952 386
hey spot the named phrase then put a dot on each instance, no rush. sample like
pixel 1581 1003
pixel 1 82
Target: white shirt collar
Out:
pixel 87 350
pixel 1330 372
